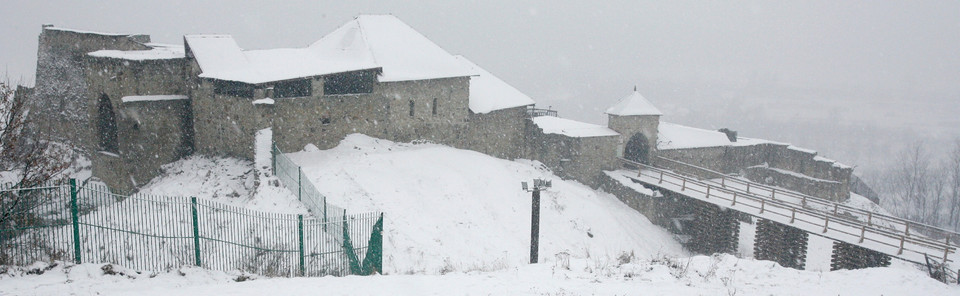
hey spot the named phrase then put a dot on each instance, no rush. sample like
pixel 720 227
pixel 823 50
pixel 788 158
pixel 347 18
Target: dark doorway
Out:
pixel 107 125
pixel 637 149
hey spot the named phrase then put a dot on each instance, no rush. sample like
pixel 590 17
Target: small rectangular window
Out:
pixel 292 89
pixel 358 82
pixel 434 106
pixel 411 108
pixel 231 88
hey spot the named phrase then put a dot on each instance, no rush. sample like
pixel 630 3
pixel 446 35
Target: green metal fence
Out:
pixel 291 175
pixel 64 221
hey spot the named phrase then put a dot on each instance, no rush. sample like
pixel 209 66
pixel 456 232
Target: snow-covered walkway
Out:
pixel 796 214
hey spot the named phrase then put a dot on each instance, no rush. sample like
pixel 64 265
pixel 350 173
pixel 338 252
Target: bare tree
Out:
pixel 31 161
pixel 953 171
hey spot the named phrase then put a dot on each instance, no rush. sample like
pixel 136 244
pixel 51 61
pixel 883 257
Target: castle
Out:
pixel 133 106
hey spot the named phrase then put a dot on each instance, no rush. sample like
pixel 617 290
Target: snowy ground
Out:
pixel 699 275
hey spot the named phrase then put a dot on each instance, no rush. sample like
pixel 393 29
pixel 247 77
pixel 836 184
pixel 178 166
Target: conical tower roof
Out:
pixel 634 104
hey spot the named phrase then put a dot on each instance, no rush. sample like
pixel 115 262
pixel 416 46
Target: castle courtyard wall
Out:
pixel 499 133
pixel 449 123
pixel 583 159
pixel 149 133
pixel 766 163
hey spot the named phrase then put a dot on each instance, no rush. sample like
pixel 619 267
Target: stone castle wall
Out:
pixel 152 133
pixel 149 133
pixel 500 133
pixel 768 163
pixel 58 103
pixel 581 159
pixel 628 126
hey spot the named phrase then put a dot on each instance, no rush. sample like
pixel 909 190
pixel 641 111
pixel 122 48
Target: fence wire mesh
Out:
pixel 89 224
pixel 292 177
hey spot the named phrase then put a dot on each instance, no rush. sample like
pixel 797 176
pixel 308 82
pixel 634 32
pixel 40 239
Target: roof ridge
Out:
pixel 366 43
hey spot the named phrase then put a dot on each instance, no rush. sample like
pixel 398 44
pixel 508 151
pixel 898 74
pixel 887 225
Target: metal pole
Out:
pixel 324 214
pixel 299 184
pixel 196 231
pixel 300 229
pixel 535 227
pixel 75 214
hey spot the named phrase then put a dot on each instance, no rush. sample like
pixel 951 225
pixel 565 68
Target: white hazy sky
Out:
pixel 577 56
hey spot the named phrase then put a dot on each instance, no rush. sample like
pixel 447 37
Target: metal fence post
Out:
pixel 75 214
pixel 196 231
pixel 299 184
pixel 300 229
pixel 324 213
pixel 273 158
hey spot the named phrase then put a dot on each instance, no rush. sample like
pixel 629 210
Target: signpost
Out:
pixel 538 185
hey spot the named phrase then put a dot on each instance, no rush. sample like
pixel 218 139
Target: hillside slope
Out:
pixel 457 210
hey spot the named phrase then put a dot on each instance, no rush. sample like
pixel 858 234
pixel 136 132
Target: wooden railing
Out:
pixel 536 112
pixel 807 201
pixel 771 204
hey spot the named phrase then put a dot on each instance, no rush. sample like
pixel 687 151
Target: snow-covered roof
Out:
pixel 571 128
pixel 385 41
pixel 675 136
pixel 489 93
pixel 153 98
pixel 633 104
pixel 221 58
pixel 216 53
pixel 368 42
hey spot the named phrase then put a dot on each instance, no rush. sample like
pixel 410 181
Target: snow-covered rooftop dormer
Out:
pixel 633 104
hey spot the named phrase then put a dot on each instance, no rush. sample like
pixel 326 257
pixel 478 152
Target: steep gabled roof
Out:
pixel 489 93
pixel 216 53
pixel 385 41
pixel 633 104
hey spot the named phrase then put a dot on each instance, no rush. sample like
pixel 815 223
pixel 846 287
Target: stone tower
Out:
pixel 637 120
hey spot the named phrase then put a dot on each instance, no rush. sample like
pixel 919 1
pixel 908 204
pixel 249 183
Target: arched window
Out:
pixel 107 125
pixel 637 149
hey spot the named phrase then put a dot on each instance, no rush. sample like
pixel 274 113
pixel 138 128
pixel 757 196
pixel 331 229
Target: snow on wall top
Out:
pixel 633 104
pixel 157 53
pixel 489 93
pixel 383 40
pixel 52 28
pixel 675 136
pixel 129 99
pixel 571 128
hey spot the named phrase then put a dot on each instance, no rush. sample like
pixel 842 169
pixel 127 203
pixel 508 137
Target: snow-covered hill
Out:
pixel 225 180
pixel 457 210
